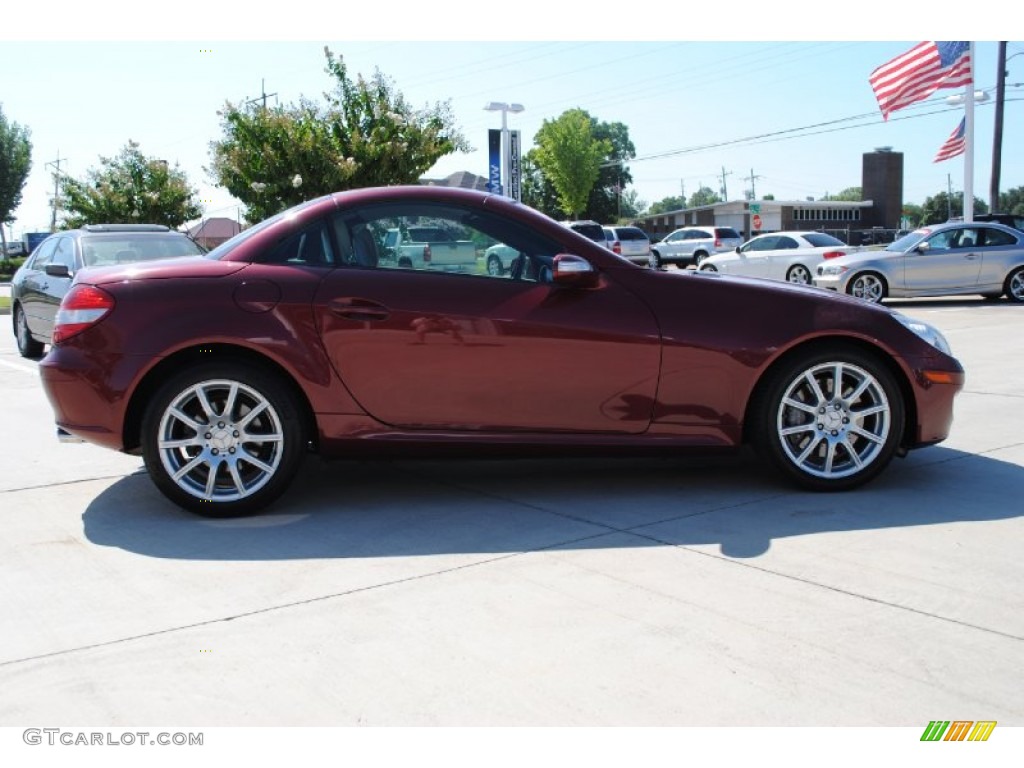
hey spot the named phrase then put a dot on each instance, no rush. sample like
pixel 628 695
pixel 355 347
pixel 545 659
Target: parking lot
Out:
pixel 574 592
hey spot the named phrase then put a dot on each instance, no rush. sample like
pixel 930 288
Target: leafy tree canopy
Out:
pixel 850 194
pixel 667 204
pixel 570 157
pixel 130 189
pixel 1012 201
pixel 365 135
pixel 704 196
pixel 941 207
pixel 15 163
pixel 606 200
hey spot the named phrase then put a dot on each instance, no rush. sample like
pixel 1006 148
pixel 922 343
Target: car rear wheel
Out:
pixel 223 439
pixel 27 346
pixel 654 260
pixel 830 420
pixel 1015 285
pixel 869 286
pixel 698 257
pixel 799 274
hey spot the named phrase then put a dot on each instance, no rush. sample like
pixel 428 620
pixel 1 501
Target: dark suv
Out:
pixel 39 285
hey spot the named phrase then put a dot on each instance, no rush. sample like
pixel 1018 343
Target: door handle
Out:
pixel 363 310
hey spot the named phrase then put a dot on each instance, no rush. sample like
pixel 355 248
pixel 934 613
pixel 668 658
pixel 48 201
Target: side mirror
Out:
pixel 57 270
pixel 922 247
pixel 572 271
pixel 738 249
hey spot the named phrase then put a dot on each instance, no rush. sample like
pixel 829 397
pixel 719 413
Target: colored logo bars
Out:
pixel 958 730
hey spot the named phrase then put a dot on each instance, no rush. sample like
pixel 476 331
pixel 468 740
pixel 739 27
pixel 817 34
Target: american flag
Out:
pixel 955 145
pixel 919 72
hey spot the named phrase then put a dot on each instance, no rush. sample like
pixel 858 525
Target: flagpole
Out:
pixel 969 140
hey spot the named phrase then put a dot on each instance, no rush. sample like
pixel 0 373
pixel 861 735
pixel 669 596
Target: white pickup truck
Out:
pixel 428 247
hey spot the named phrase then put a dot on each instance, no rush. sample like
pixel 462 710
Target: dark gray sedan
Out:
pixel 41 282
pixel 949 259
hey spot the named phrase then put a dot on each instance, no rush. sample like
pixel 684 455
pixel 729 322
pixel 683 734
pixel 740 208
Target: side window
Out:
pixel 309 247
pixel 996 237
pixel 44 253
pixel 787 242
pixel 445 239
pixel 65 253
pixel 943 241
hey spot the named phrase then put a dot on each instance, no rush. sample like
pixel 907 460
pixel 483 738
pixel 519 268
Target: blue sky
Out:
pixel 692 108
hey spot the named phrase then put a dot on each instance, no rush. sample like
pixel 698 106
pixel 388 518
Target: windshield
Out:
pixel 127 247
pixel 907 242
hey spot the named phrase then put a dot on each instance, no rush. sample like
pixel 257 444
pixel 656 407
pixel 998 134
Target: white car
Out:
pixel 790 256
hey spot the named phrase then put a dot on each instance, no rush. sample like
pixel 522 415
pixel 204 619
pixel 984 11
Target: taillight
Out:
pixel 426 252
pixel 833 254
pixel 84 305
pixel 718 243
pixel 617 247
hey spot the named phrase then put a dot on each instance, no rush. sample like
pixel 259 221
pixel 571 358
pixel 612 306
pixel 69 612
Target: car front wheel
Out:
pixel 27 346
pixel 869 286
pixel 830 420
pixel 223 439
pixel 1015 285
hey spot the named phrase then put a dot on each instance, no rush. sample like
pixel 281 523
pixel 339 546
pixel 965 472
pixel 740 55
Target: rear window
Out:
pixel 727 232
pixel 821 240
pixel 593 231
pixel 631 233
pixel 125 248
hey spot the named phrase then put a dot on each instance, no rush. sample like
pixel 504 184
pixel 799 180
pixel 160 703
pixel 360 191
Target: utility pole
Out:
pixel 751 178
pixel 264 96
pixel 682 191
pixel 997 140
pixel 725 191
pixel 56 189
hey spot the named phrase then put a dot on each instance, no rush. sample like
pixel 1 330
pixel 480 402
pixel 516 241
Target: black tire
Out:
pixel 829 443
pixel 799 275
pixel 1014 286
pixel 405 262
pixel 708 268
pixel 28 347
pixel 698 257
pixel 654 260
pixel 252 436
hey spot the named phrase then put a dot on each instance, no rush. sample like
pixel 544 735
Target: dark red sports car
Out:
pixel 308 332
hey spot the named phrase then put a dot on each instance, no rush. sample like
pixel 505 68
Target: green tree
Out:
pixel 667 204
pixel 570 157
pixel 704 196
pixel 942 207
pixel 913 213
pixel 130 189
pixel 1012 201
pixel 850 194
pixel 365 135
pixel 631 205
pixel 606 197
pixel 15 163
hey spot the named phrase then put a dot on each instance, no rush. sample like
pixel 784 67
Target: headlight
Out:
pixel 929 333
pixel 832 269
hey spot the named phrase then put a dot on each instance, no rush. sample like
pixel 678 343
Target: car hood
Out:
pixel 185 266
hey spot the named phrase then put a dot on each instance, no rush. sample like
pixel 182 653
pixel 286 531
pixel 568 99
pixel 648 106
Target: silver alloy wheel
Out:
pixel 868 287
pixel 799 274
pixel 1015 286
pixel 220 440
pixel 833 420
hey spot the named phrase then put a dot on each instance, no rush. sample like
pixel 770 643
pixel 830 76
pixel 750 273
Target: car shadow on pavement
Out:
pixel 377 509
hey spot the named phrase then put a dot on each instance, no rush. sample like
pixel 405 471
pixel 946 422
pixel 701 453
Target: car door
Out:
pixel 951 262
pixel 54 286
pixel 779 259
pixel 35 283
pixel 1000 251
pixel 421 349
pixel 753 257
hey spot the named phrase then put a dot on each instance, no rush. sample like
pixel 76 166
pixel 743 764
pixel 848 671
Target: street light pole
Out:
pixel 506 144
